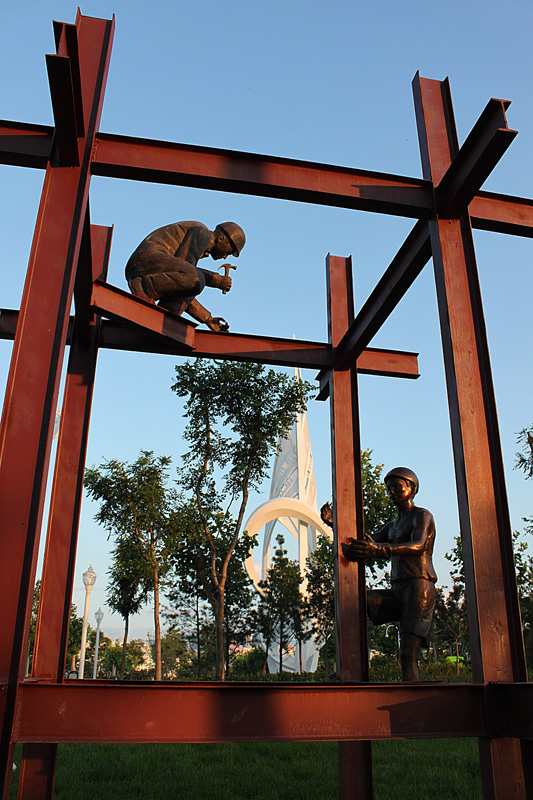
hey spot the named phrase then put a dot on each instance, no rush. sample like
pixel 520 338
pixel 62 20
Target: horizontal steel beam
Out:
pixel 237 347
pixel 502 214
pixel 373 361
pixel 261 175
pixel 25 145
pixel 29 145
pixel 245 712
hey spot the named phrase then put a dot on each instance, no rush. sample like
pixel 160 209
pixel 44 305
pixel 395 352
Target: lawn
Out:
pixel 403 770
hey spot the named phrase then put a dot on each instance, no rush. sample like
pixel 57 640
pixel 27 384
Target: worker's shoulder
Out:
pixel 422 514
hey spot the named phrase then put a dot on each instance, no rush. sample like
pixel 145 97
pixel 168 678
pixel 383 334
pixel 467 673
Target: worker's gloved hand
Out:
pixel 217 324
pixel 364 549
pixel 222 282
pixel 326 513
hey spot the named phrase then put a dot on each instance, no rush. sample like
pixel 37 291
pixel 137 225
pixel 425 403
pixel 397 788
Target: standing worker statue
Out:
pixel 407 542
pixel 164 267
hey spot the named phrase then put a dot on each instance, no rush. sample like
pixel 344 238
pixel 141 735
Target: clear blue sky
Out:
pixel 327 82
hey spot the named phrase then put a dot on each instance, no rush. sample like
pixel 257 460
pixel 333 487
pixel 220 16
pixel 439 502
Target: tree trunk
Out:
pixel 124 643
pixel 219 618
pixel 198 632
pixel 157 627
pixel 267 648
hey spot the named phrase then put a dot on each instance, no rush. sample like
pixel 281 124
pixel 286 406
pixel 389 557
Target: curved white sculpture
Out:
pixel 278 509
pixel 293 504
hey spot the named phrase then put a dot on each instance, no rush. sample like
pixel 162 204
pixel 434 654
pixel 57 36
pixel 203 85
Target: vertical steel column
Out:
pixel 31 395
pixel 494 615
pixel 355 758
pixel 38 760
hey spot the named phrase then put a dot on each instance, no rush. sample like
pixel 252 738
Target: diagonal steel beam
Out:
pixel 484 146
pixel 114 303
pixel 407 264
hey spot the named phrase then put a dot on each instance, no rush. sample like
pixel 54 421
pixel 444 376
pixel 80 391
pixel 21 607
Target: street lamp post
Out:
pixel 397 641
pixel 89 578
pixel 99 615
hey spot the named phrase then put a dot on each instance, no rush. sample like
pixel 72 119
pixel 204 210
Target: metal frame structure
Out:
pixel 69 258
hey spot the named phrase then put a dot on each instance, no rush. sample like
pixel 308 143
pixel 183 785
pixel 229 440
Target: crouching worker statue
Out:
pixel 407 542
pixel 164 267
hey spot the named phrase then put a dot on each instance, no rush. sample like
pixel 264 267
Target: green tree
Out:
pixel 524 458
pixel 282 603
pixel 235 416
pixel 320 574
pixel 191 563
pixel 135 506
pixel 451 616
pixel 33 625
pixel 175 655
pixel 524 580
pixel 130 583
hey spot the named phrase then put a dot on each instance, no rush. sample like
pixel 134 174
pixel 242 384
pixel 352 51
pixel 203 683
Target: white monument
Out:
pixel 293 504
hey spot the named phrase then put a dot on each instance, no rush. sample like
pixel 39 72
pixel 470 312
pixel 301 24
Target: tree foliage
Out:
pixel 282 614
pixel 235 415
pixel 524 457
pixel 191 569
pixel 320 574
pixel 130 583
pixel 135 506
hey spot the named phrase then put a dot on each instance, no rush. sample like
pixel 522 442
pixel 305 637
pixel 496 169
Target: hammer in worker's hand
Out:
pixel 227 268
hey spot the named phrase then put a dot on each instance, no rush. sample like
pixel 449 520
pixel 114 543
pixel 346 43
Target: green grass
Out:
pixel 443 769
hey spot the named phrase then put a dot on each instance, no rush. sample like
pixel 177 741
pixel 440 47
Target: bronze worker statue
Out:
pixel 164 267
pixel 407 542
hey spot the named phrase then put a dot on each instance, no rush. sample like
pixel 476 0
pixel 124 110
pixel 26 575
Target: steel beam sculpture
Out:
pixel 69 258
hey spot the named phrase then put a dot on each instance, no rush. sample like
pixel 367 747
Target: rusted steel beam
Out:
pixel 71 38
pixel 25 145
pixel 484 146
pixel 33 382
pixel 56 589
pixel 509 706
pixel 92 265
pixel 497 650
pixel 261 175
pixel 405 267
pixel 65 138
pixel 374 361
pixel 245 712
pixel 502 213
pixel 49 651
pixel 355 758
pixel 8 323
pixel 241 347
pixel 111 302
pixel 29 145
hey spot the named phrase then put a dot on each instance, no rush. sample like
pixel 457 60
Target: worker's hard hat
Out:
pixel 235 234
pixel 405 473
